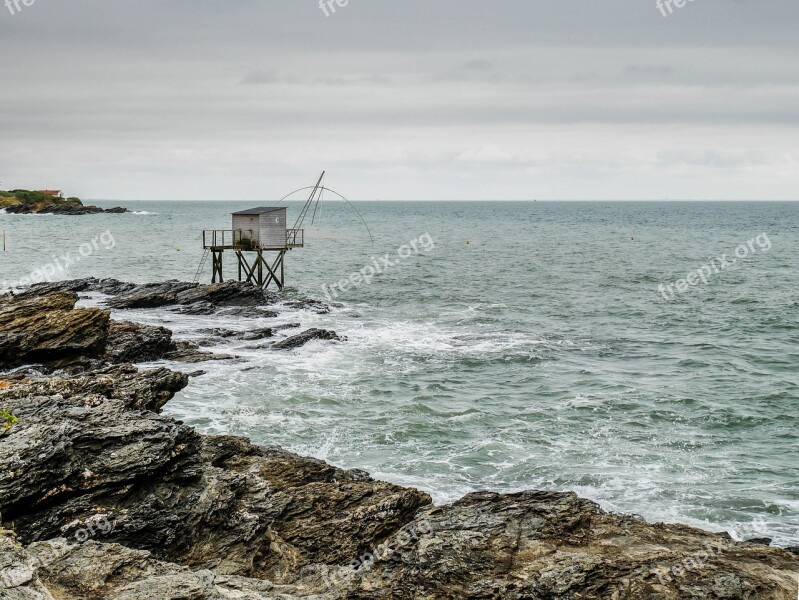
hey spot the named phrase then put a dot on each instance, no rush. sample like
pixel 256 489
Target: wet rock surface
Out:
pixel 229 294
pixel 109 498
pixel 112 287
pixel 254 334
pixel 189 352
pixel 132 342
pixel 316 306
pixel 295 341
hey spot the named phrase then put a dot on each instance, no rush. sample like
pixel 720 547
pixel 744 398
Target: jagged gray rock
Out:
pixel 191 517
pixel 201 502
pixel 133 342
pixel 532 545
pixel 247 335
pixel 316 306
pixel 556 545
pixel 295 341
pixel 46 329
pixel 53 209
pixel 189 352
pixel 143 390
pixel 89 284
pixel 231 293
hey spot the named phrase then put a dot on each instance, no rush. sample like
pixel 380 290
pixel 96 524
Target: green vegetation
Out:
pixel 32 199
pixel 7 421
pixel 246 244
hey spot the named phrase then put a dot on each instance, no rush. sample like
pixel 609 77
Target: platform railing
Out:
pixel 295 237
pixel 240 238
pixel 226 238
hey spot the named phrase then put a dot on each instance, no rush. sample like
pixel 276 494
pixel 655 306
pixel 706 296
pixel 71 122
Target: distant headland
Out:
pixel 26 202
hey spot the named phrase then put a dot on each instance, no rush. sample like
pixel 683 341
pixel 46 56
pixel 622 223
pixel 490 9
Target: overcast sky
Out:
pixel 411 99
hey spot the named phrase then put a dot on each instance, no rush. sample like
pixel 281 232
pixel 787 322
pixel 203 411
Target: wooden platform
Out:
pixel 239 240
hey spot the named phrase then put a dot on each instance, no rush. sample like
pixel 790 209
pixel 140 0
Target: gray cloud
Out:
pixel 568 98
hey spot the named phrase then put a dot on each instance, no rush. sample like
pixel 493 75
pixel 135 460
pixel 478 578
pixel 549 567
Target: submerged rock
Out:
pixel 250 312
pixel 254 334
pixel 295 341
pixel 316 306
pixel 198 308
pixel 189 352
pixel 207 308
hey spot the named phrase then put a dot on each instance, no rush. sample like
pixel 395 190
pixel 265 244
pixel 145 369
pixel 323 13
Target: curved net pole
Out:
pixel 316 208
pixel 327 189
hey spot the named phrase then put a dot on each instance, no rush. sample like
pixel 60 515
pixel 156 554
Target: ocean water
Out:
pixel 521 345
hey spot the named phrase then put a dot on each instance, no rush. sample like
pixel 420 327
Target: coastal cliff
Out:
pixel 103 496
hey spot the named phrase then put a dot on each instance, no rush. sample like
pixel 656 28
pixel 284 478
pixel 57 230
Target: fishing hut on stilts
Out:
pixel 260 240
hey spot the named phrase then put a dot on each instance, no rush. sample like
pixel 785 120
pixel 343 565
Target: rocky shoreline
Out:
pixel 62 209
pixel 102 496
pixel 28 202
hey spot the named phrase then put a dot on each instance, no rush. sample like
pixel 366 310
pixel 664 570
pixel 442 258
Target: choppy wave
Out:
pixel 541 355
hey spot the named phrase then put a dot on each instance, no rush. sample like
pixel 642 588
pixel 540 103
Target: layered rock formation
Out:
pixel 109 499
pixel 48 329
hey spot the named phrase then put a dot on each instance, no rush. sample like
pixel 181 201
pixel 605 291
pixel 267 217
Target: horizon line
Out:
pixel 459 200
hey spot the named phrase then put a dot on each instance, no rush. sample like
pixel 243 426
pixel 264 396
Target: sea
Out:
pixel 644 355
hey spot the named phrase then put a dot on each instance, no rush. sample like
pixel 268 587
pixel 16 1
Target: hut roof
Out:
pixel 261 210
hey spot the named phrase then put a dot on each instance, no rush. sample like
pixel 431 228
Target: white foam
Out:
pixel 374 402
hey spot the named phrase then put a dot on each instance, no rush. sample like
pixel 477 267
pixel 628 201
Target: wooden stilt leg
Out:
pixel 216 263
pixel 273 272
